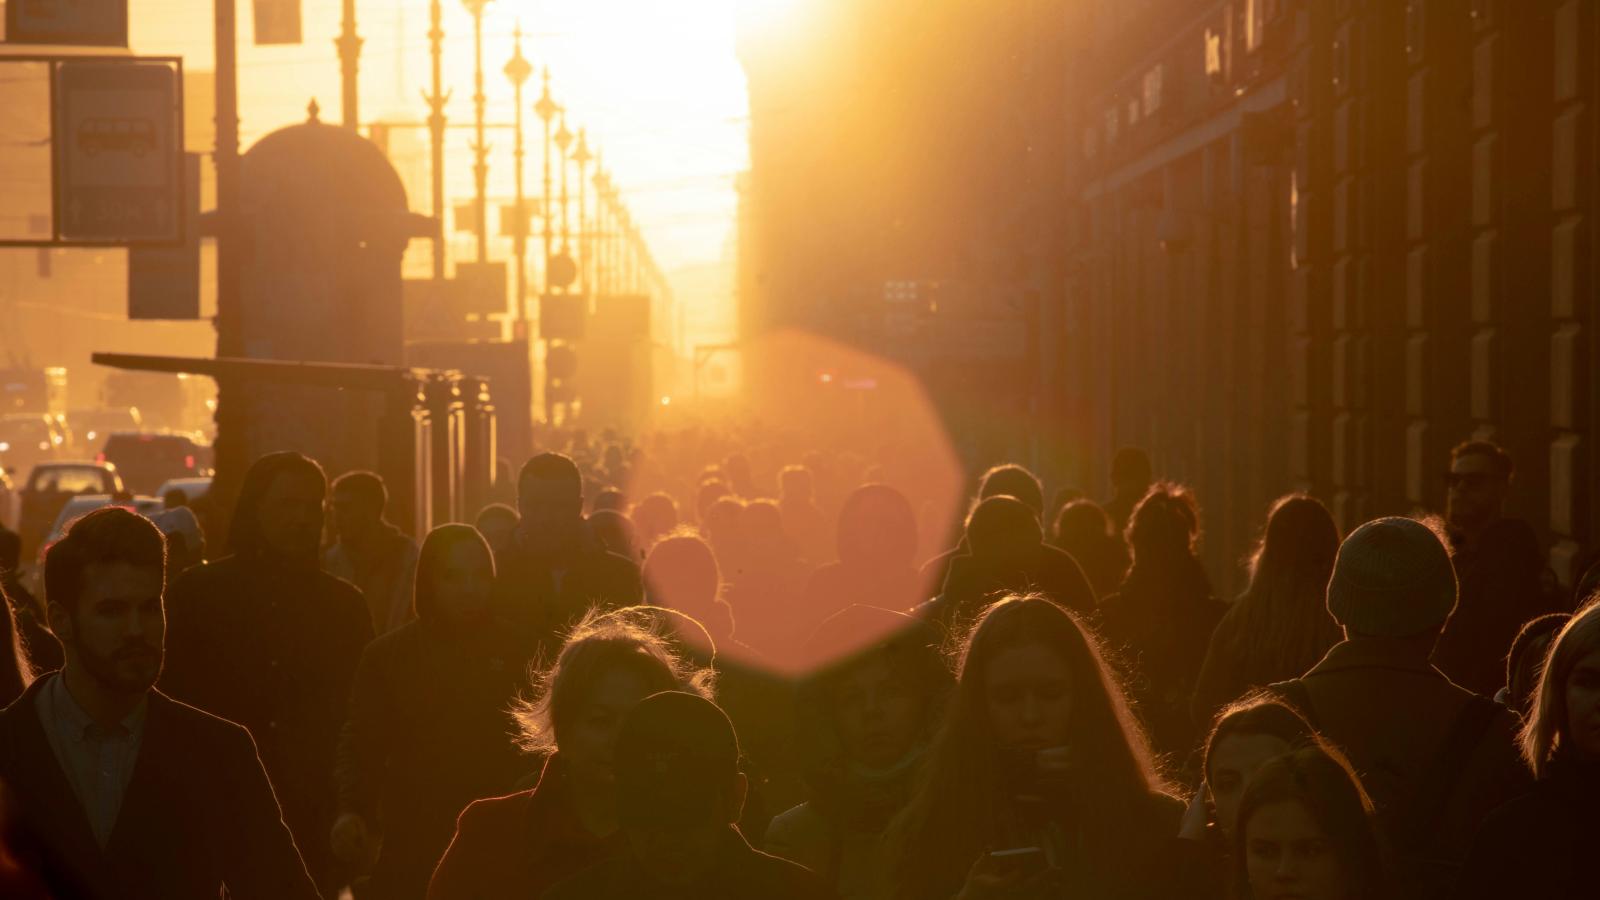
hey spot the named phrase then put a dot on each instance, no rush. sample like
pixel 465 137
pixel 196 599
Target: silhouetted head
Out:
pixel 280 510
pixel 1525 661
pixel 1479 481
pixel 1002 530
pixel 610 499
pixel 550 503
pixel 497 523
pixel 455 577
pixel 681 573
pixel 1246 734
pixel 877 529
pixel 795 485
pixel 1392 578
pixel 103 586
pixel 1305 830
pixel 614 532
pixel 358 500
pixel 654 516
pixel 1565 723
pixel 1082 523
pixel 679 788
pixel 708 494
pixel 1165 525
pixel 1012 480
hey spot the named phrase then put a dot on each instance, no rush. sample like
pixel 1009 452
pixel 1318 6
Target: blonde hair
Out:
pixel 637 638
pixel 1542 734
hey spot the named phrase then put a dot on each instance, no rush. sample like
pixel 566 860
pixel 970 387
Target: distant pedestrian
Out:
pixel 370 553
pixel 1526 661
pixel 497 523
pixel 1279 627
pixel 1305 830
pixel 1083 531
pixel 1131 475
pixel 1009 480
pixel 877 544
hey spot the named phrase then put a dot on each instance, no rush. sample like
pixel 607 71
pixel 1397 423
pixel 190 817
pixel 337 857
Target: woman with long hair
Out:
pixel 1040 778
pixel 1542 845
pixel 519 845
pixel 1279 627
pixel 1158 617
pixel 1305 830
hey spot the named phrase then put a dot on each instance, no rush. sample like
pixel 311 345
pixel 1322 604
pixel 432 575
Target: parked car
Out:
pixel 8 499
pixel 91 427
pixel 27 439
pixel 81 505
pixel 193 488
pixel 51 485
pixel 145 459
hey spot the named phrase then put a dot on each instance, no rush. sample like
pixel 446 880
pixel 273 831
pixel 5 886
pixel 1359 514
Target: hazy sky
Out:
pixel 655 82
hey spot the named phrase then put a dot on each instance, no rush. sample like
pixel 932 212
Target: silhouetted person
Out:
pixel 1305 829
pixel 1001 481
pixel 1526 660
pixel 679 793
pixel 369 552
pixel 610 499
pixel 866 720
pixel 265 638
pixel 1543 844
pixel 765 596
pixel 1062 497
pixel 1083 531
pixel 740 479
pixel 38 648
pixel 1039 760
pixel 1246 735
pixel 1006 553
pixel 653 518
pixel 1436 757
pixel 516 846
pixel 1159 617
pixel 723 527
pixel 1499 564
pixel 428 731
pixel 803 520
pixel 497 523
pixel 556 570
pixel 613 531
pixel 126 792
pixel 1279 627
pixel 1130 481
pixel 877 544
pixel 681 574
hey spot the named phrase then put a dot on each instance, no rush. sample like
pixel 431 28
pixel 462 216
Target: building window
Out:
pixel 1213 55
pixel 1111 126
pixel 1152 90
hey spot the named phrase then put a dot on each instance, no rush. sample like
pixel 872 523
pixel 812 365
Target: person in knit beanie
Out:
pixel 1435 757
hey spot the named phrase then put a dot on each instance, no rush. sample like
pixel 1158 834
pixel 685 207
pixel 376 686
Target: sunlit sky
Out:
pixel 656 83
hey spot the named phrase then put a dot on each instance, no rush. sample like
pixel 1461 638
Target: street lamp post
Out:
pixel 436 101
pixel 582 157
pixel 563 141
pixel 349 45
pixel 480 149
pixel 546 109
pixel 518 71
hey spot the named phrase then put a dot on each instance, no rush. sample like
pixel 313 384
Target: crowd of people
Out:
pixel 698 667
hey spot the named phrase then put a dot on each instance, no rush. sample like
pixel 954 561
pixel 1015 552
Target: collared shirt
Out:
pixel 97 761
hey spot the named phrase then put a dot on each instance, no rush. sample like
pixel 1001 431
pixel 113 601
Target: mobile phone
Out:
pixel 1024 861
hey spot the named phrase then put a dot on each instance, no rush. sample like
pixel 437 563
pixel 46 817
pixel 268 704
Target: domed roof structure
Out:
pixel 326 165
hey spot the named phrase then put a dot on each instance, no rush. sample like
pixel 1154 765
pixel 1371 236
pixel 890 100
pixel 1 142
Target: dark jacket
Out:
pixel 428 733
pixel 516 847
pixel 1541 844
pixel 275 650
pixel 1157 624
pixel 1500 575
pixel 198 813
pixel 1393 716
pixel 1233 668
pixel 526 595
pixel 741 873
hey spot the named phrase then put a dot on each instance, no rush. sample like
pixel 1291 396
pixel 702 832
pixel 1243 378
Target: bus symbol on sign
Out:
pixel 100 134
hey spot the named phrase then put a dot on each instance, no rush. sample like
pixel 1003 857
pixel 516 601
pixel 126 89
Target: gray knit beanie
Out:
pixel 1393 578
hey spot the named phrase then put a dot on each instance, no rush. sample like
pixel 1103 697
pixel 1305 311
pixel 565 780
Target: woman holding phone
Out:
pixel 1040 781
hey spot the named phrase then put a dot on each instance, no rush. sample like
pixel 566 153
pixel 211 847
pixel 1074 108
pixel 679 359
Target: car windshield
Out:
pixel 78 480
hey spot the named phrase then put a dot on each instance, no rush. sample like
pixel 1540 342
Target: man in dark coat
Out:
pixel 555 570
pixel 1435 758
pixel 429 728
pixel 263 637
pixel 118 790
pixel 679 791
pixel 371 553
pixel 1009 480
pixel 1499 563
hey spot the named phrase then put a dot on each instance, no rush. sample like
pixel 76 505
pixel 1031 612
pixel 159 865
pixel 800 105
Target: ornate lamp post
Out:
pixel 518 70
pixel 546 109
pixel 349 45
pixel 582 157
pixel 563 141
pixel 480 149
pixel 436 101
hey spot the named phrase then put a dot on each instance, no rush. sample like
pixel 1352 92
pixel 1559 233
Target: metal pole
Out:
pixel 349 45
pixel 581 157
pixel 436 133
pixel 546 108
pixel 232 452
pixel 480 150
pixel 518 71
pixel 563 141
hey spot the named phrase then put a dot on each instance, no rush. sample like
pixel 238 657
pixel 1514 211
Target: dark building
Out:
pixel 1283 244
